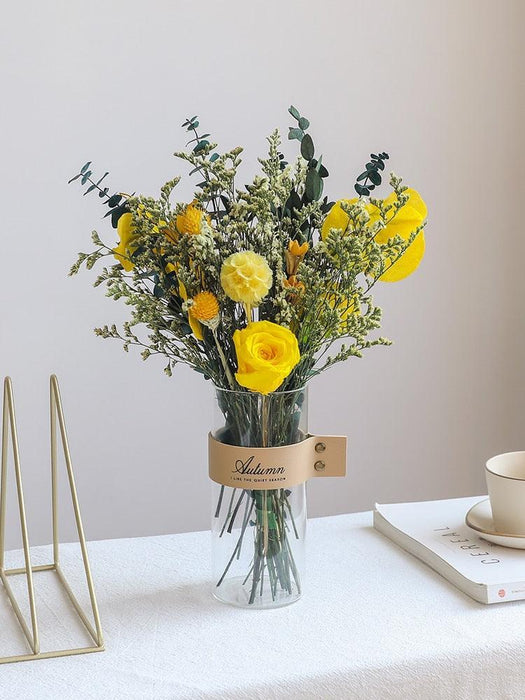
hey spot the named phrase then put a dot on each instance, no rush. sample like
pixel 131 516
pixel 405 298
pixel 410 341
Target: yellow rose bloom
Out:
pixel 246 277
pixel 190 221
pixel 407 219
pixel 125 234
pixel 266 354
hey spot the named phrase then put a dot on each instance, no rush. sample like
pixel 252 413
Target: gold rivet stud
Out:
pixel 320 447
pixel 319 466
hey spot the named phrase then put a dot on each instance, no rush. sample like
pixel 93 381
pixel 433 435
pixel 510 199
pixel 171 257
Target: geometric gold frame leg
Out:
pixel 56 411
pixel 9 421
pixel 95 633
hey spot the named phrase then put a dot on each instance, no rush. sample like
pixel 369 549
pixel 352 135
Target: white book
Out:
pixel 436 533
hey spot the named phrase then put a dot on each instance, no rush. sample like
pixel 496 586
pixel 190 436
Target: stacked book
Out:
pixel 436 533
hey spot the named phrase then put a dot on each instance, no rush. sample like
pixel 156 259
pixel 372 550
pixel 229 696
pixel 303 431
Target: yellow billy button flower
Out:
pixel 124 248
pixel 407 220
pixel 190 220
pixel 205 307
pixel 246 277
pixel 266 355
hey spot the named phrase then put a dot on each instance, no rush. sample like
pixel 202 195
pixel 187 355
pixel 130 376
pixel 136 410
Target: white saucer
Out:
pixel 479 518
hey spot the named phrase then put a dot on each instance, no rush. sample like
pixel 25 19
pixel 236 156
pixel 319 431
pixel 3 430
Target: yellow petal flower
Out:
pixel 266 355
pixel 246 277
pixel 124 249
pixel 407 220
pixel 336 218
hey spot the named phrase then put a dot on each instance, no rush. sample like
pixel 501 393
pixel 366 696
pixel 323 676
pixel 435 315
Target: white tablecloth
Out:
pixel 374 623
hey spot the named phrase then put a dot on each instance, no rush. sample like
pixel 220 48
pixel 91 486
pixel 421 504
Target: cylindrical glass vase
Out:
pixel 258 534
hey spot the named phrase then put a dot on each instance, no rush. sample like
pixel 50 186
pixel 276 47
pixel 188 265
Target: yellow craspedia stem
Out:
pixel 190 220
pixel 266 355
pixel 246 277
pixel 125 234
pixel 205 306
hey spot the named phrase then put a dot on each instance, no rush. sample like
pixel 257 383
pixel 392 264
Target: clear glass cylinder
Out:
pixel 258 535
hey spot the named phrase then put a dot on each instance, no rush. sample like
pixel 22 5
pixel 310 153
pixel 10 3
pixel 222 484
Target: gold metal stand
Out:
pixel 31 635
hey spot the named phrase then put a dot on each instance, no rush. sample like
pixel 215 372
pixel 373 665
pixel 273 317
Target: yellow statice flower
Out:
pixel 190 220
pixel 246 277
pixel 407 220
pixel 205 306
pixel 124 248
pixel 266 355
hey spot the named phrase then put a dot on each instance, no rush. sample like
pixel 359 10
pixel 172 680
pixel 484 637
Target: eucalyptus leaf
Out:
pixel 304 123
pixel 85 167
pixel 307 147
pixel 295 133
pixel 314 185
pixel 361 190
pixel 114 200
pixel 201 146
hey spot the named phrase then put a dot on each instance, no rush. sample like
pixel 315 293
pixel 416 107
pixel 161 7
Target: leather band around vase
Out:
pixel 276 467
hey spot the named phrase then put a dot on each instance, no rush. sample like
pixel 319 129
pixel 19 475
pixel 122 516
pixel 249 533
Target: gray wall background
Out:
pixel 437 84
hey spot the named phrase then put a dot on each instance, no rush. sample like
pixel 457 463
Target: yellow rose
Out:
pixel 124 249
pixel 246 277
pixel 266 354
pixel 407 219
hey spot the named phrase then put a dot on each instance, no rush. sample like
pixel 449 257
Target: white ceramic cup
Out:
pixel 505 476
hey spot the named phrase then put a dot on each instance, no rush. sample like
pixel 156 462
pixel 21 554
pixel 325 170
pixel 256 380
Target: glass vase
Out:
pixel 258 535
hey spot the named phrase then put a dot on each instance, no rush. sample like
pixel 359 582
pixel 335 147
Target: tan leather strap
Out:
pixel 276 467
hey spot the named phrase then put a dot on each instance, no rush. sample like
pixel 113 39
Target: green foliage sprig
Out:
pixel 116 202
pixel 371 177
